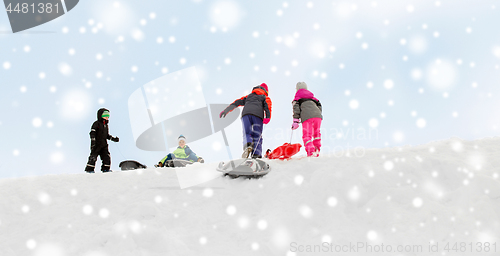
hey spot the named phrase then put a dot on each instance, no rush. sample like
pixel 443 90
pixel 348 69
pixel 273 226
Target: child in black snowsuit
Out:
pixel 99 134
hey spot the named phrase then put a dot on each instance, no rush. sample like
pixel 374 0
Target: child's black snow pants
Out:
pixel 105 157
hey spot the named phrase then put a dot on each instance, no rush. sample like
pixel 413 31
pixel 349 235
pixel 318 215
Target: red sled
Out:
pixel 284 152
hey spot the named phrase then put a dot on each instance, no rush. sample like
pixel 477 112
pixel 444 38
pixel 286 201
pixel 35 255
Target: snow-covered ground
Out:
pixel 440 194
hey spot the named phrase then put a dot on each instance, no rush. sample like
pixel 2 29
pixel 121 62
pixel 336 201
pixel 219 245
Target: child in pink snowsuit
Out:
pixel 308 109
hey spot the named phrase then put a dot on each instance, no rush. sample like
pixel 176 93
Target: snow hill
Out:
pixel 409 198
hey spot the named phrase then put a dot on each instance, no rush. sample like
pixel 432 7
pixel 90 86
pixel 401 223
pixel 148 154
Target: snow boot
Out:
pixel 201 160
pixel 268 152
pixel 169 163
pixel 248 150
pixel 256 156
pixel 89 171
pixel 315 153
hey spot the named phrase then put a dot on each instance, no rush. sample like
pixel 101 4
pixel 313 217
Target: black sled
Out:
pixel 131 165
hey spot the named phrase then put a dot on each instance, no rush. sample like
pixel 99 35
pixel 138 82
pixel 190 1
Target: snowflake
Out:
pixel 417 202
pixel 87 209
pixel 262 224
pixel 104 213
pixel 6 65
pixel 231 210
pixel 388 84
pixel 421 123
pixel 354 104
pixel 298 180
pixel 31 244
pixel 373 123
pixel 332 201
pixel 372 235
pixel 37 122
pixel 388 165
pixel 208 192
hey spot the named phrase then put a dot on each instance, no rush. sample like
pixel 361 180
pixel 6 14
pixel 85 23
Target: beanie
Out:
pixel 181 137
pixel 105 113
pixel 301 85
pixel 264 85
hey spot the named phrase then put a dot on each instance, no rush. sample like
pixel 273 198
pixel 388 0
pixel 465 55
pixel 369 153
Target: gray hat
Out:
pixel 301 85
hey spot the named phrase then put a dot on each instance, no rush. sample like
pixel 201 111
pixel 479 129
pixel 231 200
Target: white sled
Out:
pixel 244 167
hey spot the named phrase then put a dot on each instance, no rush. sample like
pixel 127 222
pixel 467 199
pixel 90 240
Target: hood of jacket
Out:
pixel 259 90
pixel 304 94
pixel 99 114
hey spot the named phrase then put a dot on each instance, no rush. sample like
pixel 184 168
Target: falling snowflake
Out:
pixel 31 244
pixel 203 240
pixel 388 165
pixel 373 123
pixel 231 210
pixel 421 123
pixel 104 213
pixel 298 180
pixel 208 192
pixel 417 202
pixel 332 201
pixel 372 235
pixel 88 209
pixel 354 104
pixel 388 84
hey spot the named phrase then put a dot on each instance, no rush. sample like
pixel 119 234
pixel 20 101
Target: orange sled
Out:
pixel 284 152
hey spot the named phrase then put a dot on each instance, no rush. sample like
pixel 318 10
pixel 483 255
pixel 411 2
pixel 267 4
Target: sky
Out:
pixel 388 73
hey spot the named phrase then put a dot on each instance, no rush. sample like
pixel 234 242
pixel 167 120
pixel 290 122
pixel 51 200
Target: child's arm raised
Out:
pixel 239 102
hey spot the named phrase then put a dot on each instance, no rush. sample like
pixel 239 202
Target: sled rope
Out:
pixel 119 151
pixel 255 148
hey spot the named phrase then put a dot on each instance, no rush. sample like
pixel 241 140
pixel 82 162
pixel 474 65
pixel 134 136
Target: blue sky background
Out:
pixel 414 71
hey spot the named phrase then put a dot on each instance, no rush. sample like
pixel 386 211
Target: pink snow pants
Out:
pixel 311 135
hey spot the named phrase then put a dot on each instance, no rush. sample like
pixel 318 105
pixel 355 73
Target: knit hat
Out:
pixel 105 113
pixel 264 85
pixel 301 85
pixel 181 137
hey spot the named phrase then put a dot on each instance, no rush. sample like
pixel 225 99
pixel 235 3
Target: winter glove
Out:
pixel 267 120
pixel 115 139
pixel 223 113
pixel 226 111
pixel 295 124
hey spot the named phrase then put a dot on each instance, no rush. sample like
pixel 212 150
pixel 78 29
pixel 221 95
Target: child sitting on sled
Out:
pixel 183 152
pixel 308 110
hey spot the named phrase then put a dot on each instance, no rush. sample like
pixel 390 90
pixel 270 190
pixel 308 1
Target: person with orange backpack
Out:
pixel 257 108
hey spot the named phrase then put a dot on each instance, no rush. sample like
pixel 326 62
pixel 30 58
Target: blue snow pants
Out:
pixel 252 130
